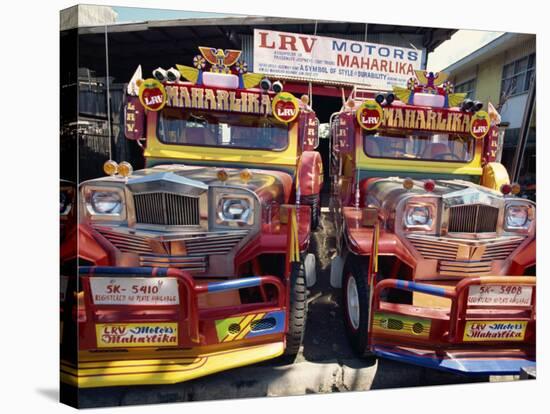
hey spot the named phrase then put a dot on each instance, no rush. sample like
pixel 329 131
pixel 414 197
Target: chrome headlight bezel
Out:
pixel 426 205
pixel 92 212
pixel 519 206
pixel 222 199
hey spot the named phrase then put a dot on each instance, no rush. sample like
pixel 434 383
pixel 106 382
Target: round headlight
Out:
pixel 106 202
pixel 417 216
pixel 516 216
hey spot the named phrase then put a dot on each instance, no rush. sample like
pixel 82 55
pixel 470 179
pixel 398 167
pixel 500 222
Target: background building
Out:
pixel 165 42
pixel 500 72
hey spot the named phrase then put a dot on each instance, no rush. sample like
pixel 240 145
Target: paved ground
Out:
pixel 326 363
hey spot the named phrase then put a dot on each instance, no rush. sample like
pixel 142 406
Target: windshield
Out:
pixel 430 147
pixel 218 129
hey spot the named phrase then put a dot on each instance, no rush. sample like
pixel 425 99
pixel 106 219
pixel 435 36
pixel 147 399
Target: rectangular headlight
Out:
pixel 420 214
pixel 104 203
pixel 518 217
pixel 231 207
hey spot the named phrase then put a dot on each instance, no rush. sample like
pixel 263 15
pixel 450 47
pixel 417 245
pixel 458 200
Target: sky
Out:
pixel 136 14
pixel 461 44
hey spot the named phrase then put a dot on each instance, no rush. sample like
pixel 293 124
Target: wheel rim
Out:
pixel 352 296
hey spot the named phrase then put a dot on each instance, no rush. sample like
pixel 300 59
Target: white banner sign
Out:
pixel 134 291
pixel 317 58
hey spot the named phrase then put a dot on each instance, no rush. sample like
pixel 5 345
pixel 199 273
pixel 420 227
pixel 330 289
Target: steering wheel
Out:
pixel 443 155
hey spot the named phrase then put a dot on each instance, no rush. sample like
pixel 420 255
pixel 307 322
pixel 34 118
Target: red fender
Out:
pixel 526 257
pixel 90 249
pixel 310 173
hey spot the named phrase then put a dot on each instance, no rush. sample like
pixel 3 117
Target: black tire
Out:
pixel 355 271
pixel 297 315
pixel 315 215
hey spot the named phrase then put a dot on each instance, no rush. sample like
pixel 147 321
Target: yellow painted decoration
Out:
pixel 131 335
pixel 296 242
pixel 400 325
pixel 220 59
pixel 369 115
pixel 189 73
pixel 494 176
pixel 491 331
pixel 403 94
pixel 376 239
pixel 252 79
pixel 143 367
pixel 439 78
pixel 455 99
pixel 234 329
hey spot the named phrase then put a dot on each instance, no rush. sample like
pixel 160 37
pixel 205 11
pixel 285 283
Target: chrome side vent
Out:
pixel 445 249
pixel 193 248
pixel 473 218
pixel 190 263
pixel 464 269
pixel 431 248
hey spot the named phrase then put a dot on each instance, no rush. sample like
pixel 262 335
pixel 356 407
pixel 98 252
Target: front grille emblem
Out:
pixel 469 253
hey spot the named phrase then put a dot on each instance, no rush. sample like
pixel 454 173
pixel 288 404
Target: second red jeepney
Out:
pixel 436 254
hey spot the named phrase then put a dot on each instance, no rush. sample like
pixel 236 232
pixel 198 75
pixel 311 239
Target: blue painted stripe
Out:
pixel 111 270
pixel 420 287
pixel 234 284
pixel 469 366
pixel 279 326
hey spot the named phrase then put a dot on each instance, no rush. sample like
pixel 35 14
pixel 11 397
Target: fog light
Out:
pixel 515 188
pixel 408 183
pixel 429 185
pixel 222 175
pixel 125 169
pixel 245 175
pixel 110 167
pixel 505 189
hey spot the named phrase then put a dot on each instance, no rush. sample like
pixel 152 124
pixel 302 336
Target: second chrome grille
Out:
pixel 473 218
pixel 167 209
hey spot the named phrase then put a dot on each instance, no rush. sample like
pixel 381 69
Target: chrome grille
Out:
pixel 214 243
pixel 166 209
pixel 190 263
pixel 462 268
pixel 155 251
pixel 127 243
pixel 433 248
pixel 473 218
pixel 445 249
